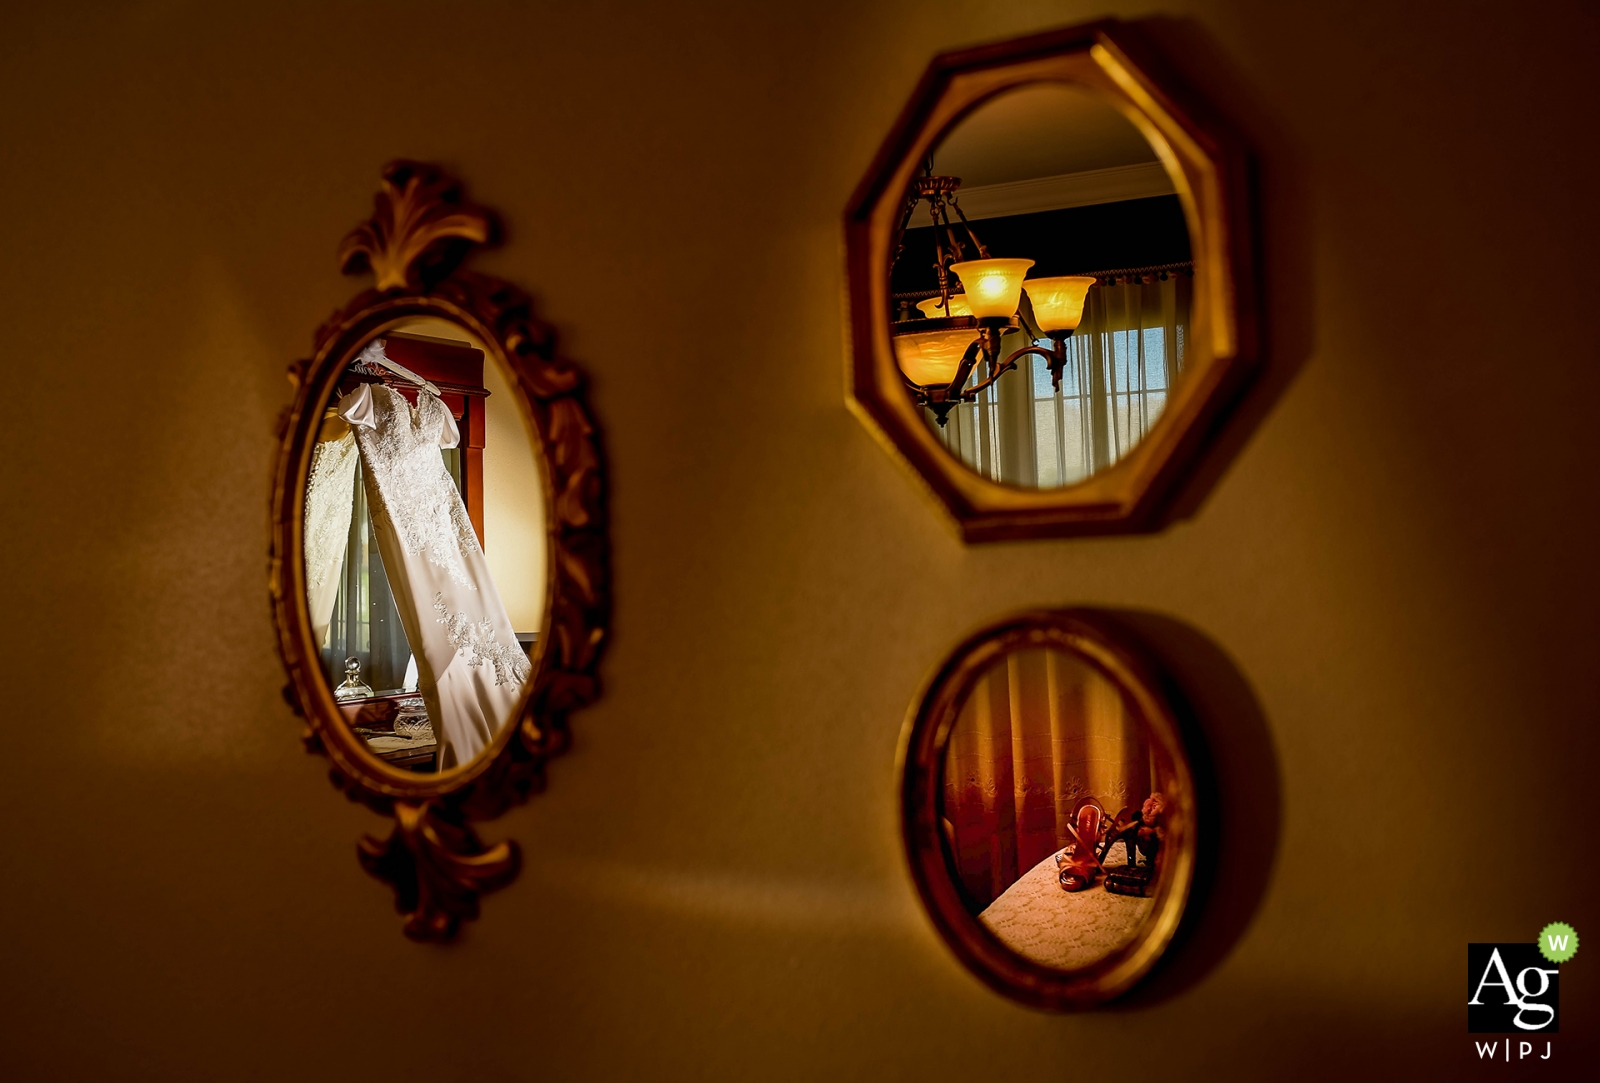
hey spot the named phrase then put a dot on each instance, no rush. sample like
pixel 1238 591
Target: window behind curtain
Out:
pixel 1113 390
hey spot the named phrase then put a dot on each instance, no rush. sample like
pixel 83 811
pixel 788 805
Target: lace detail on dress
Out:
pixel 476 639
pixel 328 506
pixel 413 485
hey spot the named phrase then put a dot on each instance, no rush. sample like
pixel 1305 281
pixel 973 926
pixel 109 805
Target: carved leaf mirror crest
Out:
pixel 1051 300
pixel 1049 808
pixel 439 560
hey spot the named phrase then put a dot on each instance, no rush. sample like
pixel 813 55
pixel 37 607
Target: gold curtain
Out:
pixel 1040 730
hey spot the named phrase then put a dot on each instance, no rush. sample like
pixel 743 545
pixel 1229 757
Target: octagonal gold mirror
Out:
pixel 1050 285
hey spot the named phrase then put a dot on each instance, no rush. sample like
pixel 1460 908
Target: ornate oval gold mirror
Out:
pixel 1049 277
pixel 1049 809
pixel 439 548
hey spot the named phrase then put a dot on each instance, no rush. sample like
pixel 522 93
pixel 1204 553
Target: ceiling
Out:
pixel 1041 130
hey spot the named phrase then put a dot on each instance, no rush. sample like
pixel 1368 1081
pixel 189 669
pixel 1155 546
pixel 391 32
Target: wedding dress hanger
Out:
pixel 373 357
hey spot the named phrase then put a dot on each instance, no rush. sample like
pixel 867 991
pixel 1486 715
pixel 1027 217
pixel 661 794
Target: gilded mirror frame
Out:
pixel 420 231
pixel 1209 171
pixel 924 741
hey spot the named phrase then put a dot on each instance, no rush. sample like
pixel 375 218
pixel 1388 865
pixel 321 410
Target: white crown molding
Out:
pixel 1066 190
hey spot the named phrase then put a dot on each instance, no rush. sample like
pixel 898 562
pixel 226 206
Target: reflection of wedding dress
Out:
pixel 470 667
pixel 327 523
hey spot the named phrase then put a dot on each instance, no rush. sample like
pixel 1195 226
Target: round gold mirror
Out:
pixel 1049 809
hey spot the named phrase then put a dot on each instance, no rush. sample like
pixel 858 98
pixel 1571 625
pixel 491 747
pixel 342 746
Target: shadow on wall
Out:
pixel 1282 227
pixel 1231 749
pixel 1239 798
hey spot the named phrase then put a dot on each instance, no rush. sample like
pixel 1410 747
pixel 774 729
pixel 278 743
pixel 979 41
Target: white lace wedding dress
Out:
pixel 470 668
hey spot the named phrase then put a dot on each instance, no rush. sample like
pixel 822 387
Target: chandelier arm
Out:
pixel 1058 356
pixel 983 252
pixel 938 251
pixel 950 231
pixel 1004 367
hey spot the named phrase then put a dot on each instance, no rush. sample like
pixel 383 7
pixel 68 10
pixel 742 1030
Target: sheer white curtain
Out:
pixel 327 519
pixel 365 621
pixel 1122 361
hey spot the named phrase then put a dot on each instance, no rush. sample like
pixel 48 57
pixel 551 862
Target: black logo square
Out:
pixel 1511 989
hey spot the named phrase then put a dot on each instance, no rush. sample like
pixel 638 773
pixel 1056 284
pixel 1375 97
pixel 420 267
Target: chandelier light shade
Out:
pixel 1058 302
pixel 958 307
pixel 993 286
pixel 953 333
pixel 932 357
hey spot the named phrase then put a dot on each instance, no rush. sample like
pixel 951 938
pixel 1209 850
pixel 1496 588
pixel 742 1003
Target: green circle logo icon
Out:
pixel 1558 942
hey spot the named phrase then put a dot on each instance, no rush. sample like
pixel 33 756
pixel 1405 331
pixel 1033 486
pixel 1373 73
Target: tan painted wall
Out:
pixel 1400 561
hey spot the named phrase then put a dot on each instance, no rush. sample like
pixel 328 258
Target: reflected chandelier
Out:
pixel 938 351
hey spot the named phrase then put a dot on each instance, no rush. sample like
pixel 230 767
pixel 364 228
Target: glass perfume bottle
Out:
pixel 353 686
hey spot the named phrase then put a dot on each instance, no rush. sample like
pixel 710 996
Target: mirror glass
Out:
pixel 1052 808
pixel 425 546
pixel 1040 285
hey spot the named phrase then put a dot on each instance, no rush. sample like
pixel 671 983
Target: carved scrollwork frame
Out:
pixel 420 231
